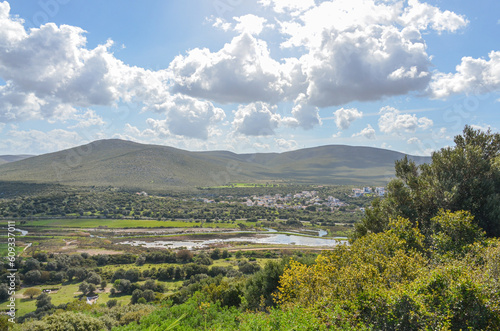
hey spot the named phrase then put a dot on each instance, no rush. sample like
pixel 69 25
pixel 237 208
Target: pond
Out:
pixel 265 238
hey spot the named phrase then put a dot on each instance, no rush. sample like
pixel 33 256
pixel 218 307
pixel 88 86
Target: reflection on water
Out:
pixel 276 239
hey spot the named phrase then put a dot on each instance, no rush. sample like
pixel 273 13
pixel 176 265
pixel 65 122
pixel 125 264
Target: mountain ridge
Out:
pixel 131 165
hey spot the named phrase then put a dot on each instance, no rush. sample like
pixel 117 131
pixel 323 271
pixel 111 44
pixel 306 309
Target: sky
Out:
pixel 247 75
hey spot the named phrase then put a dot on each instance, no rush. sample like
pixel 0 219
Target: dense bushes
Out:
pixel 396 280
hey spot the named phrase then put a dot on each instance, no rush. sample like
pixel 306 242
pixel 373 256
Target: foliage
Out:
pixel 32 292
pixel 66 321
pixel 395 280
pixel 464 177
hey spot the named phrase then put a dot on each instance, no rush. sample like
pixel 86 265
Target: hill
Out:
pixel 130 165
pixel 13 158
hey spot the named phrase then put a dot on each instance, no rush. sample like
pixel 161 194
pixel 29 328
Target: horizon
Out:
pixel 214 150
pixel 263 76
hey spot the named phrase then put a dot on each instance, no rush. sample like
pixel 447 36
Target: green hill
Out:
pixel 131 165
pixel 13 158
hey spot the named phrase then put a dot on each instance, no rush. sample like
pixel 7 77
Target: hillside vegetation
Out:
pixel 426 257
pixel 125 164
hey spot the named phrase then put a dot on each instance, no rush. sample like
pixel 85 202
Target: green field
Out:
pixel 65 294
pixel 125 223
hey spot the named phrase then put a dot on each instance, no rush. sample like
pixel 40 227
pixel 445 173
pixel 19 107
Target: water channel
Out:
pixel 269 238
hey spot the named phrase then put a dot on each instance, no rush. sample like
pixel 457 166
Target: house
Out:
pixel 92 300
pixel 380 191
pixel 356 192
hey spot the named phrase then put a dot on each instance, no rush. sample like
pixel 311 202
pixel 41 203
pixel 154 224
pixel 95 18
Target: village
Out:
pixel 308 200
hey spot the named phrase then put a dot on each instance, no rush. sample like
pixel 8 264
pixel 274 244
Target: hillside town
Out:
pixel 301 200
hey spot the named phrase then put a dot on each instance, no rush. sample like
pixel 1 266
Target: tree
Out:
pixel 93 278
pixel 132 275
pixel 141 259
pixel 32 264
pixel 32 292
pixel 454 233
pixel 4 292
pixel 464 177
pixel 111 303
pixel 122 285
pixel 43 302
pixel 74 321
pixel 32 277
pixel 184 255
pixel 216 254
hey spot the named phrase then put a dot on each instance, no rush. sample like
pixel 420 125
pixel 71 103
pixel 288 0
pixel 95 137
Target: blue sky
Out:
pixel 247 76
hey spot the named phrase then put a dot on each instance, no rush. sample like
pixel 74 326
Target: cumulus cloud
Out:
pixel 190 117
pixel 242 71
pixel 87 119
pixel 413 140
pixel 260 146
pixel 286 144
pixel 49 69
pixel 33 141
pixel 392 121
pixel 305 115
pixel 472 76
pixel 368 133
pixel 344 117
pixel 370 50
pixel 365 64
pixel 422 16
pixel 250 23
pixel 256 119
pixel 294 7
pixel 221 24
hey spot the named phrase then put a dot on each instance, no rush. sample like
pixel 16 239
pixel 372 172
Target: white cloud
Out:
pixel 250 23
pixel 49 70
pixel 222 24
pixel 293 7
pixel 35 141
pixel 87 119
pixel 413 140
pixel 392 121
pixel 190 117
pixel 370 50
pixel 365 63
pixel 242 71
pixel 484 127
pixel 368 133
pixel 256 119
pixel 286 145
pixel 306 116
pixel 260 146
pixel 422 16
pixel 344 117
pixel 474 76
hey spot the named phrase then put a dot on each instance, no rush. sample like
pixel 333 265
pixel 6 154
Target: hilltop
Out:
pixel 13 158
pixel 131 165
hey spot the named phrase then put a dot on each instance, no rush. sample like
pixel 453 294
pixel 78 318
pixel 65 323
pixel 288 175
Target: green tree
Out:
pixel 464 177
pixel 454 233
pixel 32 292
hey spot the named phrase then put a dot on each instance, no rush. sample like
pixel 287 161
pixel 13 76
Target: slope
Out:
pixel 130 165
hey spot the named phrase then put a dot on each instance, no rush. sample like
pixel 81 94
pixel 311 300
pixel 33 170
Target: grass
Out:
pixel 66 293
pixel 123 224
